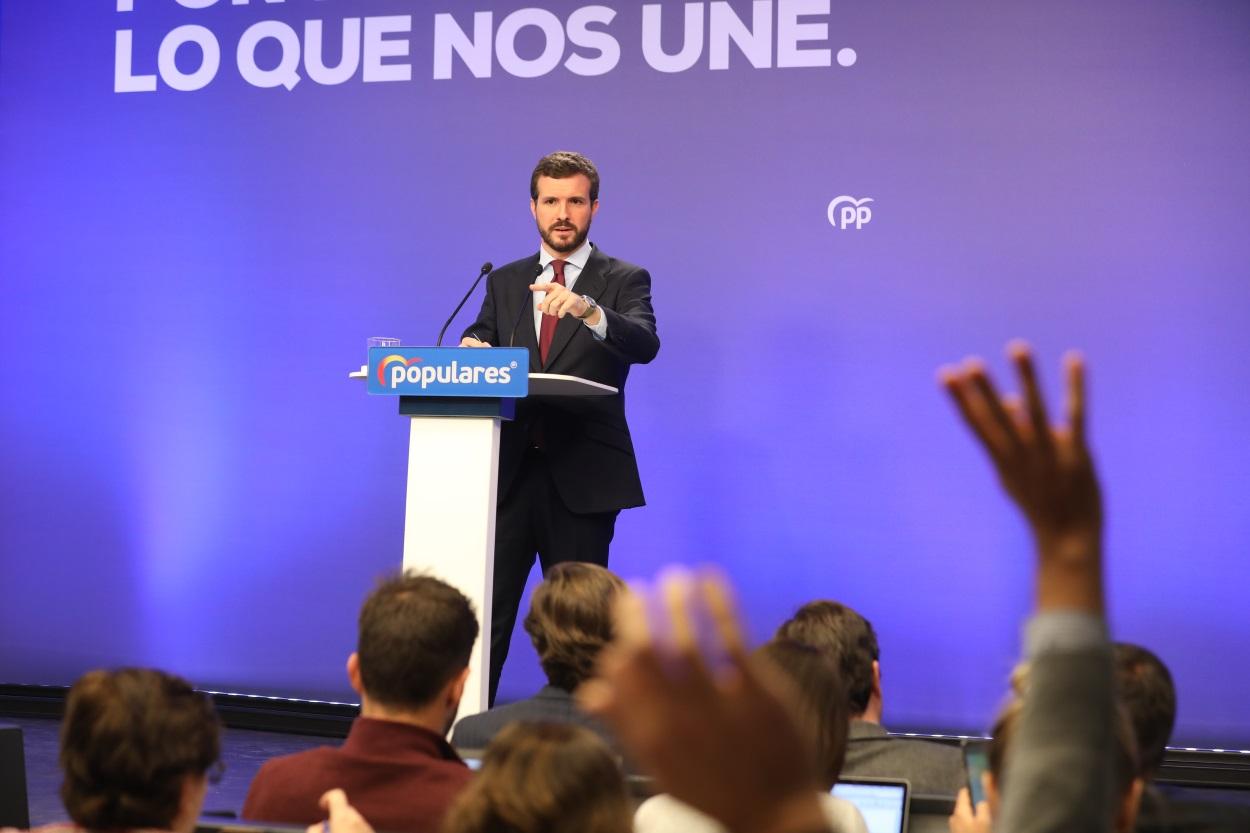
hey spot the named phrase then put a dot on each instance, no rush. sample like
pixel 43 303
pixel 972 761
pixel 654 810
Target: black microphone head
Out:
pixel 487 266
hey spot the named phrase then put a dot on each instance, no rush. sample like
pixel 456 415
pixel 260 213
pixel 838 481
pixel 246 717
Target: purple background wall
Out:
pixel 189 480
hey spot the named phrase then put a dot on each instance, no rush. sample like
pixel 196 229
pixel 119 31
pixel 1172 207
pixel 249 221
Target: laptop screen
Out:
pixel 882 802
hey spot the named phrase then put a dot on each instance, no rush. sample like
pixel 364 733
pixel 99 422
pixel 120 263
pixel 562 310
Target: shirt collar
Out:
pixel 578 258
pixel 864 729
pixel 391 736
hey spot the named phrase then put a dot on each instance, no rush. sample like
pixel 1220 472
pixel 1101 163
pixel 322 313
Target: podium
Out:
pixel 456 405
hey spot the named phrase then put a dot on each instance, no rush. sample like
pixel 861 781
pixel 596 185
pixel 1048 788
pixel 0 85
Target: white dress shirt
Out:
pixel 574 264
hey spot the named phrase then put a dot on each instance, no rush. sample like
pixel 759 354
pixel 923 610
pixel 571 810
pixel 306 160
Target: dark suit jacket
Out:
pixel 932 768
pixel 550 705
pixel 1171 809
pixel 586 440
pixel 401 778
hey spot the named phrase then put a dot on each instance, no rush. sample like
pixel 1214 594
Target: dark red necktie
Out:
pixel 548 329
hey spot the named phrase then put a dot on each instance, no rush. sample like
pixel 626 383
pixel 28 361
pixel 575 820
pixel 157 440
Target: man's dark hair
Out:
pixel 846 637
pixel 562 164
pixel 129 740
pixel 416 634
pixel 570 620
pixel 819 706
pixel 1147 692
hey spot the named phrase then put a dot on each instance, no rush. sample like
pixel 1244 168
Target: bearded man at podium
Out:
pixel 566 464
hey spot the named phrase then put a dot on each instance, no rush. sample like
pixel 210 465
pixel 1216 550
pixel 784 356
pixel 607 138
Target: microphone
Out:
pixel 538 270
pixel 486 267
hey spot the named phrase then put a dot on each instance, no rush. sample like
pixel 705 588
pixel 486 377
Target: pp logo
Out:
pixel 845 212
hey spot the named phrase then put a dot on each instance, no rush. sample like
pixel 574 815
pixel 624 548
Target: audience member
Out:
pixel 1149 696
pixel 849 640
pixel 569 622
pixel 1126 783
pixel 137 750
pixel 535 778
pixel 816 693
pixel 409 668
pixel 1147 692
pixel 544 778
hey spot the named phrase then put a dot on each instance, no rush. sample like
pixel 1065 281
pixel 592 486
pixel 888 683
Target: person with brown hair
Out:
pixel 566 464
pixel 137 749
pixel 409 668
pixel 816 694
pixel 544 778
pixel 569 621
pixel 850 642
pixel 1148 693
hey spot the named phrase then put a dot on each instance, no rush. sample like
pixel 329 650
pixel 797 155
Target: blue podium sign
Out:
pixel 497 372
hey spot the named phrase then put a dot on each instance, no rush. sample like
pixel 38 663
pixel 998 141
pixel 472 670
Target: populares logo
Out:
pixel 846 211
pixel 400 371
pixel 395 370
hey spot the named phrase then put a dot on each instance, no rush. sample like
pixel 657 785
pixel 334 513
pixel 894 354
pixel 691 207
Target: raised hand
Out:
pixel 1046 469
pixel 341 816
pixel 969 819
pixel 705 723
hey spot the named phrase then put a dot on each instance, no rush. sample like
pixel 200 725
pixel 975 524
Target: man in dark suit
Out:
pixel 570 622
pixel 566 465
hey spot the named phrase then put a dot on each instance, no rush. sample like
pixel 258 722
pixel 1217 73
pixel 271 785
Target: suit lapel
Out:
pixel 524 335
pixel 590 282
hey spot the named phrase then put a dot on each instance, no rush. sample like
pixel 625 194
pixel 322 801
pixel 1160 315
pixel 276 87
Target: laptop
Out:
pixel 882 802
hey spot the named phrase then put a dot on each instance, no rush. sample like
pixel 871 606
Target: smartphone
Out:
pixel 976 763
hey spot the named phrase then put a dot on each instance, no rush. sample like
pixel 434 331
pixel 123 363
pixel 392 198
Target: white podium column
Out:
pixel 449 520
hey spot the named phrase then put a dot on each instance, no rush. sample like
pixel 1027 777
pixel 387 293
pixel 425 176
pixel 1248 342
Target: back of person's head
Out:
pixel 130 740
pixel 1147 692
pixel 544 778
pixel 844 635
pixel 1126 784
pixel 416 635
pixel 819 701
pixel 570 620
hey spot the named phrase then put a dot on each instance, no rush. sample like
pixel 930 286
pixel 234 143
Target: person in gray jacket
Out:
pixel 1057 772
pixel 851 643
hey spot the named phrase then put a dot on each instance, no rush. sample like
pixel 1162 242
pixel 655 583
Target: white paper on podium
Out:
pixel 555 384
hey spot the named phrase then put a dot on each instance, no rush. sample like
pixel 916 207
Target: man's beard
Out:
pixel 564 248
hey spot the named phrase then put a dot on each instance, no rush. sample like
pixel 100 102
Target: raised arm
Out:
pixel 1057 774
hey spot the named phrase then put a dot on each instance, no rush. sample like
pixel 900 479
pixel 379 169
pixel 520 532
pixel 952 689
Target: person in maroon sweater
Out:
pixel 409 668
